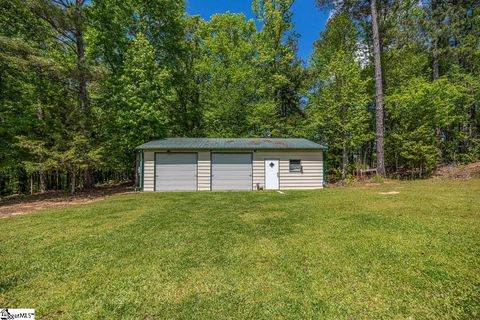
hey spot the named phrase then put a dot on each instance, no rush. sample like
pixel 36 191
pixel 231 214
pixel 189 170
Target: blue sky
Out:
pixel 309 19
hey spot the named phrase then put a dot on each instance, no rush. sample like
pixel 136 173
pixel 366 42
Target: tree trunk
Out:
pixel 89 180
pixel 435 57
pixel 73 181
pixel 344 161
pixel 378 91
pixel 80 46
pixel 435 41
pixel 43 175
pixel 365 154
pixel 435 63
pixel 43 182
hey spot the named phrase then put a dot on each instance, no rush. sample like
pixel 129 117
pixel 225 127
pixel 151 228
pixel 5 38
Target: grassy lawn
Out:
pixel 337 253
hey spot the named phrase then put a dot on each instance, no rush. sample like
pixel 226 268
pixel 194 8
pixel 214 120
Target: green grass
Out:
pixel 347 253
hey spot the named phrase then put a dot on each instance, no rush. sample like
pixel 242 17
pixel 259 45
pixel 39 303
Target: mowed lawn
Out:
pixel 346 253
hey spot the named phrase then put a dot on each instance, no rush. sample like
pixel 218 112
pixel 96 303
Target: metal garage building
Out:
pixel 191 164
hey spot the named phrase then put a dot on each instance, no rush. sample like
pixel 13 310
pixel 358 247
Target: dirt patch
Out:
pixel 460 172
pixel 467 171
pixel 370 184
pixel 24 204
pixel 367 183
pixel 389 193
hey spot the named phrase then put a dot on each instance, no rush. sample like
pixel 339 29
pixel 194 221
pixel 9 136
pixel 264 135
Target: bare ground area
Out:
pixel 467 171
pixel 24 204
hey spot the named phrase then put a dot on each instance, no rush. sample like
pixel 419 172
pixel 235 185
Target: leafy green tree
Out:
pixel 226 67
pixel 368 13
pixel 425 66
pixel 138 111
pixel 417 110
pixel 280 71
pixel 143 84
pixel 172 51
pixel 337 110
pixel 32 100
pixel 67 20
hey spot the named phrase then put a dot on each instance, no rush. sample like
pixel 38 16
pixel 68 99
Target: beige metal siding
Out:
pixel 149 171
pixel 311 178
pixel 204 170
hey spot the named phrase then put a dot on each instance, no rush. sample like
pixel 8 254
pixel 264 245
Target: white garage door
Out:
pixel 231 171
pixel 175 172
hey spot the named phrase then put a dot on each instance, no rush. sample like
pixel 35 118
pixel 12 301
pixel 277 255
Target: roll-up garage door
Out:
pixel 231 171
pixel 175 172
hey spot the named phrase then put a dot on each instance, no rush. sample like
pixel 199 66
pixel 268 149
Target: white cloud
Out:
pixel 362 54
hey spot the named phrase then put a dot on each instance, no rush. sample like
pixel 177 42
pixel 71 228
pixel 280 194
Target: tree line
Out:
pixel 391 84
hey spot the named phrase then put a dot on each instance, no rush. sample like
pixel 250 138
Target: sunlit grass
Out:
pixel 337 253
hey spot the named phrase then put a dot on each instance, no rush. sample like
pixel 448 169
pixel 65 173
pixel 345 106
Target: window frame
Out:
pixel 295 170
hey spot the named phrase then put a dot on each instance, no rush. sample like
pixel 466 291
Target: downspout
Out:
pixel 139 187
pixel 324 167
pixel 143 167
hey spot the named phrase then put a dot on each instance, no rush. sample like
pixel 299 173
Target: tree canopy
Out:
pixel 82 83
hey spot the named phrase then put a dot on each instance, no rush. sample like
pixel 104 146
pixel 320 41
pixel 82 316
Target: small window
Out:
pixel 296 166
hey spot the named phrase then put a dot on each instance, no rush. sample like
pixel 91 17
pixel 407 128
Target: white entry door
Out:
pixel 272 169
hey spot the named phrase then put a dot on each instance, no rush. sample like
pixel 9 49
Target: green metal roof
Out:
pixel 233 143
